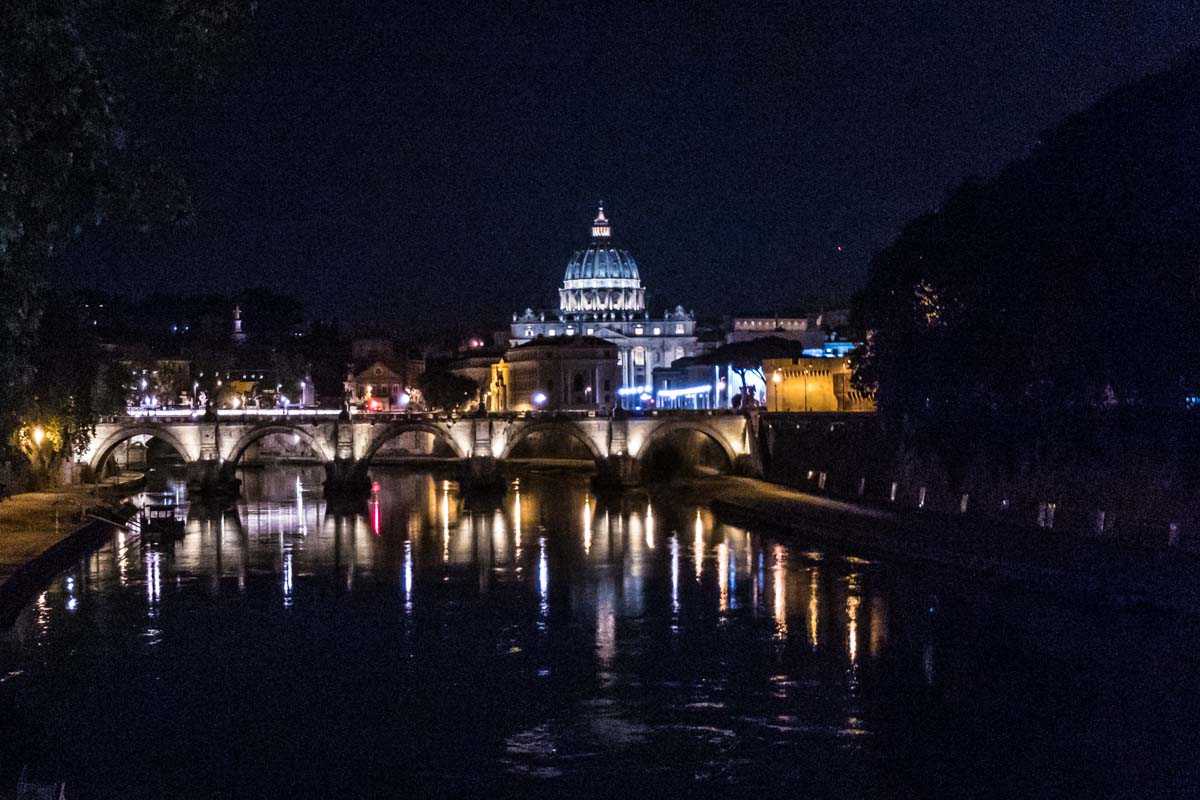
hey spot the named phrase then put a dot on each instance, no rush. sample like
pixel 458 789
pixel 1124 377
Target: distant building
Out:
pixel 382 384
pixel 812 330
pixel 812 384
pixel 602 297
pixel 564 373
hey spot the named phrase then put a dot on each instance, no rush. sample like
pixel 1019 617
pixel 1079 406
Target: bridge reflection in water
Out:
pixel 553 639
pixel 416 529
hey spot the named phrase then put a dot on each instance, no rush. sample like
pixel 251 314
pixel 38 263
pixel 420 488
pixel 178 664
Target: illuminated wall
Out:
pixel 812 384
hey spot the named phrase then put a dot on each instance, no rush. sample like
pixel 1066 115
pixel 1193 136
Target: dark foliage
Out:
pixel 444 390
pixel 1067 283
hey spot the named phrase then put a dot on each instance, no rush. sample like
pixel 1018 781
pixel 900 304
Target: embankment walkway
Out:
pixel 33 521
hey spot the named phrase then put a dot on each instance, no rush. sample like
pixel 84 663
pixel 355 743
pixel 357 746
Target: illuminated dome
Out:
pixel 601 278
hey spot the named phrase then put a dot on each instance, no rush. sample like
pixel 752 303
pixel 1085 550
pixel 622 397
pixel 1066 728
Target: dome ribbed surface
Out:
pixel 598 262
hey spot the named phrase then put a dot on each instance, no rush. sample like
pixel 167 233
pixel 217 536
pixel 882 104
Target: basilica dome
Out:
pixel 601 277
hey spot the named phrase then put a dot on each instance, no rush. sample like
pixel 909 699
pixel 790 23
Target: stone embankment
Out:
pixel 970 549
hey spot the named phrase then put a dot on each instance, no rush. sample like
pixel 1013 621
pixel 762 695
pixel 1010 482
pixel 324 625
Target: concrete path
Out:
pixel 32 521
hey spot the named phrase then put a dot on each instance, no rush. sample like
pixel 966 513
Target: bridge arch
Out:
pixel 318 443
pixel 664 429
pixel 520 433
pixel 105 447
pixel 398 429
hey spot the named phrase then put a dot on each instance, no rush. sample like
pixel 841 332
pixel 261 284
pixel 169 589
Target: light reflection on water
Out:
pixel 546 638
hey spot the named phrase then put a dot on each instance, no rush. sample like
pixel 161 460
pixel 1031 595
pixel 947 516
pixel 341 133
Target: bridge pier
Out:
pixel 618 472
pixel 481 475
pixel 749 465
pixel 346 481
pixel 209 479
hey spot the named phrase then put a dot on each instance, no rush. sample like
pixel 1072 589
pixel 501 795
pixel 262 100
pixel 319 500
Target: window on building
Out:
pixel 657 331
pixel 552 332
pixel 639 356
pixel 591 331
pixel 638 330
pixel 528 332
pixel 570 330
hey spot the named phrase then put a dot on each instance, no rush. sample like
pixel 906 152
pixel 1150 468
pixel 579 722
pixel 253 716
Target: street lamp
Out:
pixel 39 435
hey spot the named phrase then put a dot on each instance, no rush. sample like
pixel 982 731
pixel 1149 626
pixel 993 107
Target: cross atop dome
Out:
pixel 600 226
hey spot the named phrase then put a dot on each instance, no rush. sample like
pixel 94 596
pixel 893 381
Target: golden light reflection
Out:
pixel 779 580
pixel 499 538
pixel 852 603
pixel 649 527
pixel 587 525
pixel 444 513
pixel 879 632
pixel 814 608
pixel 698 544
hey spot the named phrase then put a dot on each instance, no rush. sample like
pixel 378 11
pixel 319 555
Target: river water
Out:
pixel 557 645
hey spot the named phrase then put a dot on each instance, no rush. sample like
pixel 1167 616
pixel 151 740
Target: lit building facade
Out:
pixel 602 297
pixel 812 384
pixel 559 373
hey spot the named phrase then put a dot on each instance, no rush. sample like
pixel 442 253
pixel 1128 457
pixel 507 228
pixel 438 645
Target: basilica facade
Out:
pixel 602 297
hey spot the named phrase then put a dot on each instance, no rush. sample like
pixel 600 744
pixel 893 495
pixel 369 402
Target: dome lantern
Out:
pixel 600 227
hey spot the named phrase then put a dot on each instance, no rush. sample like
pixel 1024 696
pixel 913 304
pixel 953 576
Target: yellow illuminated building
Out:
pixel 812 384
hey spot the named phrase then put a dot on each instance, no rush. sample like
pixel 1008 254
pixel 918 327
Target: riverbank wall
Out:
pixel 1123 477
pixel 965 552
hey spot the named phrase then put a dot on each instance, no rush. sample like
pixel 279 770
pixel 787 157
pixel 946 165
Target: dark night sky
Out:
pixel 385 162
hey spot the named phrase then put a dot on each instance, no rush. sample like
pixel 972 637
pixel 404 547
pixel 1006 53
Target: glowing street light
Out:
pixel 539 399
pixel 39 435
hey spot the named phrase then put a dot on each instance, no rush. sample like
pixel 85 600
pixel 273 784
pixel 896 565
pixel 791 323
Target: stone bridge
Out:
pixel 213 445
